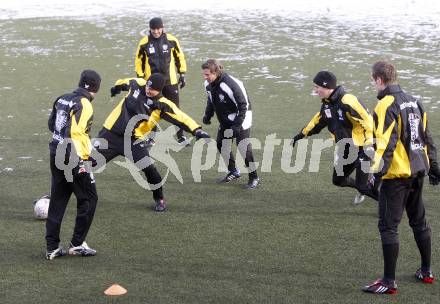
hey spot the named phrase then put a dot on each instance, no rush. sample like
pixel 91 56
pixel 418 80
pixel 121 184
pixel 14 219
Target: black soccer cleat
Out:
pixel 358 199
pixel 56 253
pixel 253 183
pixel 424 276
pixel 232 175
pixel 160 205
pixel 82 250
pixel 380 287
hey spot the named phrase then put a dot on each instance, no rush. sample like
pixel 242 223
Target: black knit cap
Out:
pixel 90 80
pixel 325 79
pixel 156 23
pixel 156 82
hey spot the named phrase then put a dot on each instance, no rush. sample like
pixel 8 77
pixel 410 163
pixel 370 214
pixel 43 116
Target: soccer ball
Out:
pixel 41 207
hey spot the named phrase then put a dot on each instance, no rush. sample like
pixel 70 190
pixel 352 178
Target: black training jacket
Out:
pixel 71 117
pixel 160 55
pixel 345 117
pixel 227 97
pixel 404 146
pixel 137 114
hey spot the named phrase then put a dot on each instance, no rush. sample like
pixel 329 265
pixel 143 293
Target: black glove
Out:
pixel 369 151
pixel 374 183
pixel 236 131
pixel 206 120
pixel 115 91
pixel 199 133
pixel 182 80
pixel 434 174
pixel 364 155
pixel 82 168
pixel 296 138
pixel 92 161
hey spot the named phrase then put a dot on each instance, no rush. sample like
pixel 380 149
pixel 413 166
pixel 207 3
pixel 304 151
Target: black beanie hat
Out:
pixel 156 82
pixel 325 79
pixel 156 23
pixel 90 80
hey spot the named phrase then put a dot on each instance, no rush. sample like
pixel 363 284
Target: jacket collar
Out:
pixel 152 38
pixel 83 92
pixel 219 79
pixel 389 90
pixel 336 95
pixel 155 98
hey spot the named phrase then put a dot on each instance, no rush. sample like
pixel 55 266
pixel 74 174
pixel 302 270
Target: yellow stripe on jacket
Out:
pixel 79 129
pixel 390 151
pixel 362 132
pixel 171 113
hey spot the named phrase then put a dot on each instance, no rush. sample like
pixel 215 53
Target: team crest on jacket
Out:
pixel 414 121
pixel 340 115
pixel 222 97
pixel 61 120
pixel 165 48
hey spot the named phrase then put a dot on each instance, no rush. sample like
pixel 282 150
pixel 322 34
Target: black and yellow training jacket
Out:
pixel 404 146
pixel 71 117
pixel 345 117
pixel 151 109
pixel 160 55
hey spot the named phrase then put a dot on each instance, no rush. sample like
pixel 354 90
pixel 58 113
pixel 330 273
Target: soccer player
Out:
pixel 160 52
pixel 143 98
pixel 347 119
pixel 405 153
pixel 70 120
pixel 228 99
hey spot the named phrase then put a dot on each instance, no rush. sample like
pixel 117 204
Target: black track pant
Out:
pixel 171 92
pixel 246 152
pixel 360 182
pixel 138 151
pixel 395 196
pixel 83 186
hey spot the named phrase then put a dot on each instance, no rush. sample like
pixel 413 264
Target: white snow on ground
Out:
pixel 433 81
pixel 418 18
pixel 418 21
pixel 394 10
